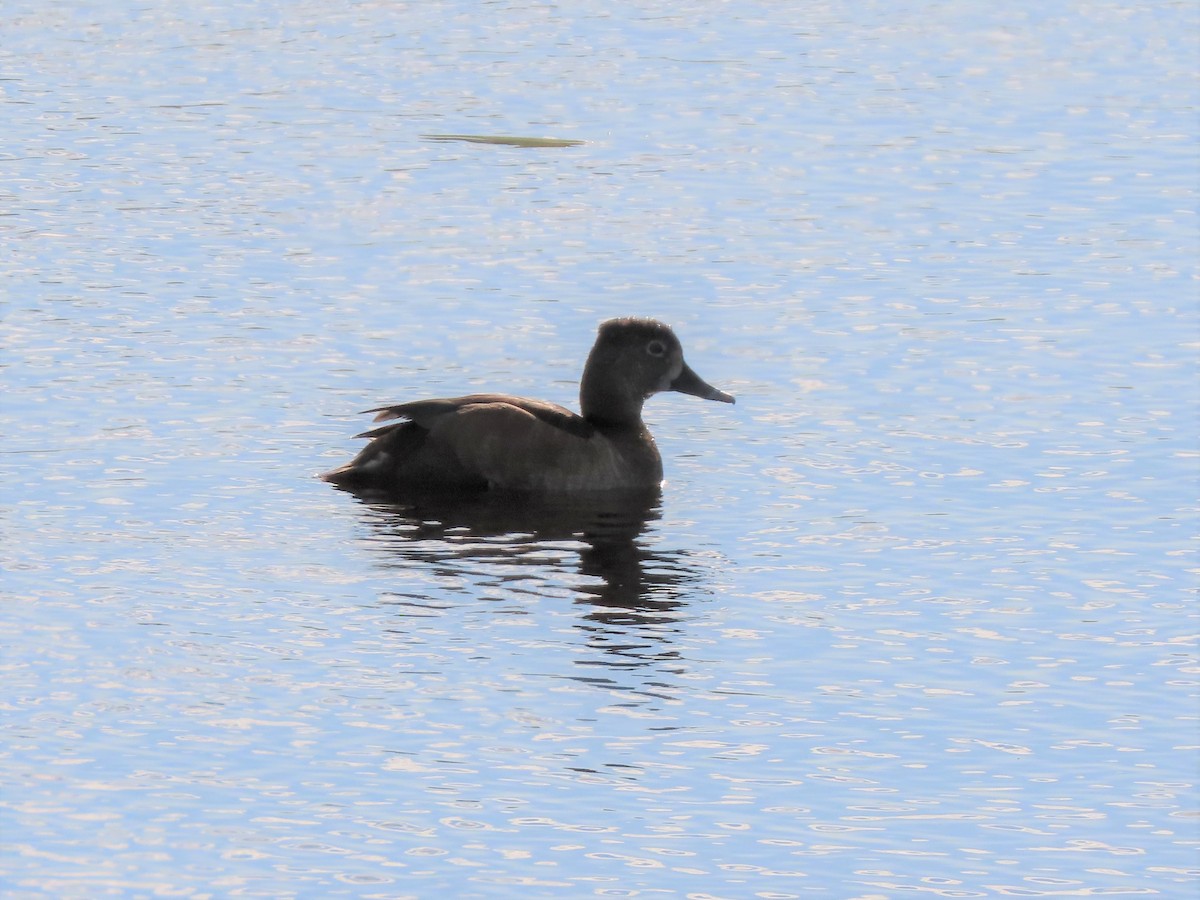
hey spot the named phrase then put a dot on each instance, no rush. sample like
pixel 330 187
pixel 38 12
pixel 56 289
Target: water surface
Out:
pixel 916 615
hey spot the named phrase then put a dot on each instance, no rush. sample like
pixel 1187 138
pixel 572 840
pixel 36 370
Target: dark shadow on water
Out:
pixel 599 555
pixel 590 549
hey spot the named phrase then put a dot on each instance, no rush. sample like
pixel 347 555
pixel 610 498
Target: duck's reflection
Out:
pixel 592 549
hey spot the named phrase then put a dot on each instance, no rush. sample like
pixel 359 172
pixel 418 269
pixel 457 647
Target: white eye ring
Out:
pixel 656 348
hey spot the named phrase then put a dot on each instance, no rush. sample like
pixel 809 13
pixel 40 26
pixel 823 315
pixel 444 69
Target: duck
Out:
pixel 502 443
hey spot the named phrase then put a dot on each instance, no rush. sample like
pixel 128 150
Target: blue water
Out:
pixel 917 615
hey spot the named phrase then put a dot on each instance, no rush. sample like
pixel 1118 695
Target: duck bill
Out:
pixel 688 382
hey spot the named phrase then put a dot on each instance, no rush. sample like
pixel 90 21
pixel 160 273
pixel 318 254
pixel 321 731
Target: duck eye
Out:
pixel 656 348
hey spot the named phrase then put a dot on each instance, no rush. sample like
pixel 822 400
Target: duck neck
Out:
pixel 606 406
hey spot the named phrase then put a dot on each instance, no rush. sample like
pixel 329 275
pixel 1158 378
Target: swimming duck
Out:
pixel 505 443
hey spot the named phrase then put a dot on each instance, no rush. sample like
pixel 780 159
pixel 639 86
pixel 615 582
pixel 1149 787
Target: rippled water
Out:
pixel 915 616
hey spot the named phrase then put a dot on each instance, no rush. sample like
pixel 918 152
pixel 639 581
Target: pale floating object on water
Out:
pixel 510 140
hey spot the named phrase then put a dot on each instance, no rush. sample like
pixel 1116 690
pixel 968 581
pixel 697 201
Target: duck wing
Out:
pixel 473 442
pixel 429 413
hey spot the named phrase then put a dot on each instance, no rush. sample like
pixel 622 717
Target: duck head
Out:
pixel 632 360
